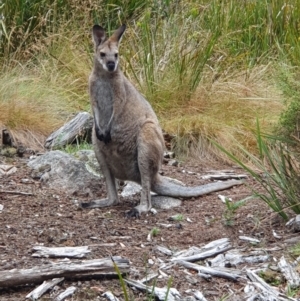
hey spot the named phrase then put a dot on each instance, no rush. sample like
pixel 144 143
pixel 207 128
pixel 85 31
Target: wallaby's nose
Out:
pixel 111 66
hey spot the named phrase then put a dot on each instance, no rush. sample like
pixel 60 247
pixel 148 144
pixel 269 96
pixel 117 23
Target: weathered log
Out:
pixel 222 273
pixel 43 288
pixel 74 252
pixel 66 268
pixel 77 129
pixel 165 294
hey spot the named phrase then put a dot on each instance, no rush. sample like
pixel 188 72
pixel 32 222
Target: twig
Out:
pixel 16 192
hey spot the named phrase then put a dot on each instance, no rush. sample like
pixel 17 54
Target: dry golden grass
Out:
pixel 30 107
pixel 226 111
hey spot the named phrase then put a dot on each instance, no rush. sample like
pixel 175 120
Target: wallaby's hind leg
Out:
pixel 112 195
pixel 150 152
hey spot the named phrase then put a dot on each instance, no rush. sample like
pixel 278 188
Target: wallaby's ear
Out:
pixel 99 35
pixel 117 35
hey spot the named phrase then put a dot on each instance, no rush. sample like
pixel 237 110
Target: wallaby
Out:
pixel 127 137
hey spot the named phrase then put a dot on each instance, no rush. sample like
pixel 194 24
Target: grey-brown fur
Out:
pixel 127 138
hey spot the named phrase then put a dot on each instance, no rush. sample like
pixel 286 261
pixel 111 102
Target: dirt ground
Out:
pixel 51 218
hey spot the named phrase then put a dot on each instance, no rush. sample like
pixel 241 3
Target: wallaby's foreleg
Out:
pixel 150 151
pixel 112 194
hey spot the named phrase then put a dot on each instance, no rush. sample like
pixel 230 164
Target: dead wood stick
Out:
pixel 65 294
pixel 209 253
pixel 43 288
pixel 214 272
pixel 16 192
pixel 165 294
pixel 68 269
pixel 289 272
pixel 75 252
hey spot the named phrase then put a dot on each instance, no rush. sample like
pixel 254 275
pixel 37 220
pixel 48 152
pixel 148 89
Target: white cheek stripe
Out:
pixel 104 65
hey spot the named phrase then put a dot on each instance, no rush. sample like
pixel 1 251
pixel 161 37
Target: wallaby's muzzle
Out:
pixel 111 66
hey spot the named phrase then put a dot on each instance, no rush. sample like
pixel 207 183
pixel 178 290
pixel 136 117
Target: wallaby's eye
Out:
pixel 116 55
pixel 102 54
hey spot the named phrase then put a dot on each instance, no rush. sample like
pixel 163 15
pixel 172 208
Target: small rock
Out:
pixel 164 202
pixel 1 207
pixel 296 224
pixel 153 211
pixel 130 189
pixel 150 261
pixel 173 163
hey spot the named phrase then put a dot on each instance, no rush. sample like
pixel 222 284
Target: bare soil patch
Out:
pixel 51 218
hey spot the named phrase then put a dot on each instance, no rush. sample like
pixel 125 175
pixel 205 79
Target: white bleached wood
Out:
pixel 43 288
pixel 65 294
pixel 66 268
pixel 164 250
pixel 290 274
pixel 148 277
pixel 110 296
pixel 198 295
pixel 73 252
pixel 227 274
pixel 164 294
pixel 249 239
pixel 205 254
pixel 259 282
pixel 224 176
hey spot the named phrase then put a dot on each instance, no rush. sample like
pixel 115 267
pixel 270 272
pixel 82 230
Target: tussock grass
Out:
pixel 209 69
pixel 226 111
pixel 32 105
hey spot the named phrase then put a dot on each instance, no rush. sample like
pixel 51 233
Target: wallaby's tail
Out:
pixel 163 186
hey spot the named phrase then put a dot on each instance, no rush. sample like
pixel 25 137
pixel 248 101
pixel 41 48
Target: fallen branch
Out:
pixel 43 288
pixel 65 294
pixel 16 192
pixel 290 274
pixel 227 274
pixel 164 294
pixel 75 252
pixel 68 269
pixel 202 255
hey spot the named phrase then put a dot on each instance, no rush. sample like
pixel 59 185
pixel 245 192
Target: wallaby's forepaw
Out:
pixel 132 213
pixel 106 138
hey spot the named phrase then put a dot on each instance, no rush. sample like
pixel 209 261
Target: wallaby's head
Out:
pixel 106 49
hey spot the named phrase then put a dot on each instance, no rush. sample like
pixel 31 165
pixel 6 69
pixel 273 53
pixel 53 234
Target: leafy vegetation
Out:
pixel 210 69
pixel 231 208
pixel 276 170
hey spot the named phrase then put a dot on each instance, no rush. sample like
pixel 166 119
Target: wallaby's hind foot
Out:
pixel 132 213
pixel 98 203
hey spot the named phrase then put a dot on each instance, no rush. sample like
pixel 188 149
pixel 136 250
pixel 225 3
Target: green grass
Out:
pixel 276 169
pixel 209 69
